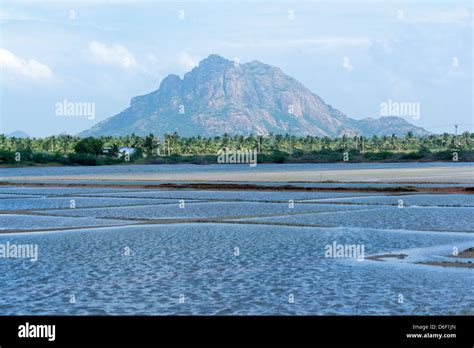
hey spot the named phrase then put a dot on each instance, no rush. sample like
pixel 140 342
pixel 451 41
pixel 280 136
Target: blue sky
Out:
pixel 354 54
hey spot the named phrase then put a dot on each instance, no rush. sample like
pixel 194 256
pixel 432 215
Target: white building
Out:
pixel 125 150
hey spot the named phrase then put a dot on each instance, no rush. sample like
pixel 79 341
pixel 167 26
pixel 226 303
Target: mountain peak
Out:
pixel 255 98
pixel 214 59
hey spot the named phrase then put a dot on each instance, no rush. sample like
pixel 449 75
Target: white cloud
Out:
pixel 187 61
pixel 116 55
pixel 28 68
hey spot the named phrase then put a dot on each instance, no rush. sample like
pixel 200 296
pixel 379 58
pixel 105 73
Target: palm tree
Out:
pixel 149 144
pixel 260 140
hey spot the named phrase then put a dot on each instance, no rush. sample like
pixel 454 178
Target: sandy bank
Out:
pixel 464 174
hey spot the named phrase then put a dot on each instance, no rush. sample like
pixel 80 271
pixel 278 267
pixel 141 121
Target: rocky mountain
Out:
pixel 220 97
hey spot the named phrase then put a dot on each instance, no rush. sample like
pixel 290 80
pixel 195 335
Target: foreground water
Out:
pixel 198 264
pixel 160 252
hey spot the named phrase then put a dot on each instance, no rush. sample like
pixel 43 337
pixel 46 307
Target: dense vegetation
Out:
pixel 67 149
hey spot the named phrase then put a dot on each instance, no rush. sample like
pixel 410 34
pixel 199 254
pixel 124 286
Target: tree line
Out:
pixel 68 149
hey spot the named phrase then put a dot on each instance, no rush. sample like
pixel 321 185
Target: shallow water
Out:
pixel 34 222
pixel 410 218
pixel 202 210
pixel 233 195
pixel 52 191
pixel 277 256
pixel 442 200
pixel 199 262
pixel 74 202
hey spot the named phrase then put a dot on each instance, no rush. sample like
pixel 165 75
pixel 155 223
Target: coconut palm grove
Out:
pixel 275 148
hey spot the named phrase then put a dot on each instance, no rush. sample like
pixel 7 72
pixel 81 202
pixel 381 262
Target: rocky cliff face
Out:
pixel 220 97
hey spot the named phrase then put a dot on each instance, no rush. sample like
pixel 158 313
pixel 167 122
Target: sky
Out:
pixel 356 55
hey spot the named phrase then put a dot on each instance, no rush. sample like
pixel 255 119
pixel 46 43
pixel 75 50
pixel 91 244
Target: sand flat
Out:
pixel 442 174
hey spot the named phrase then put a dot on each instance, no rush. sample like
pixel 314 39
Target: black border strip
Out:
pixel 329 330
